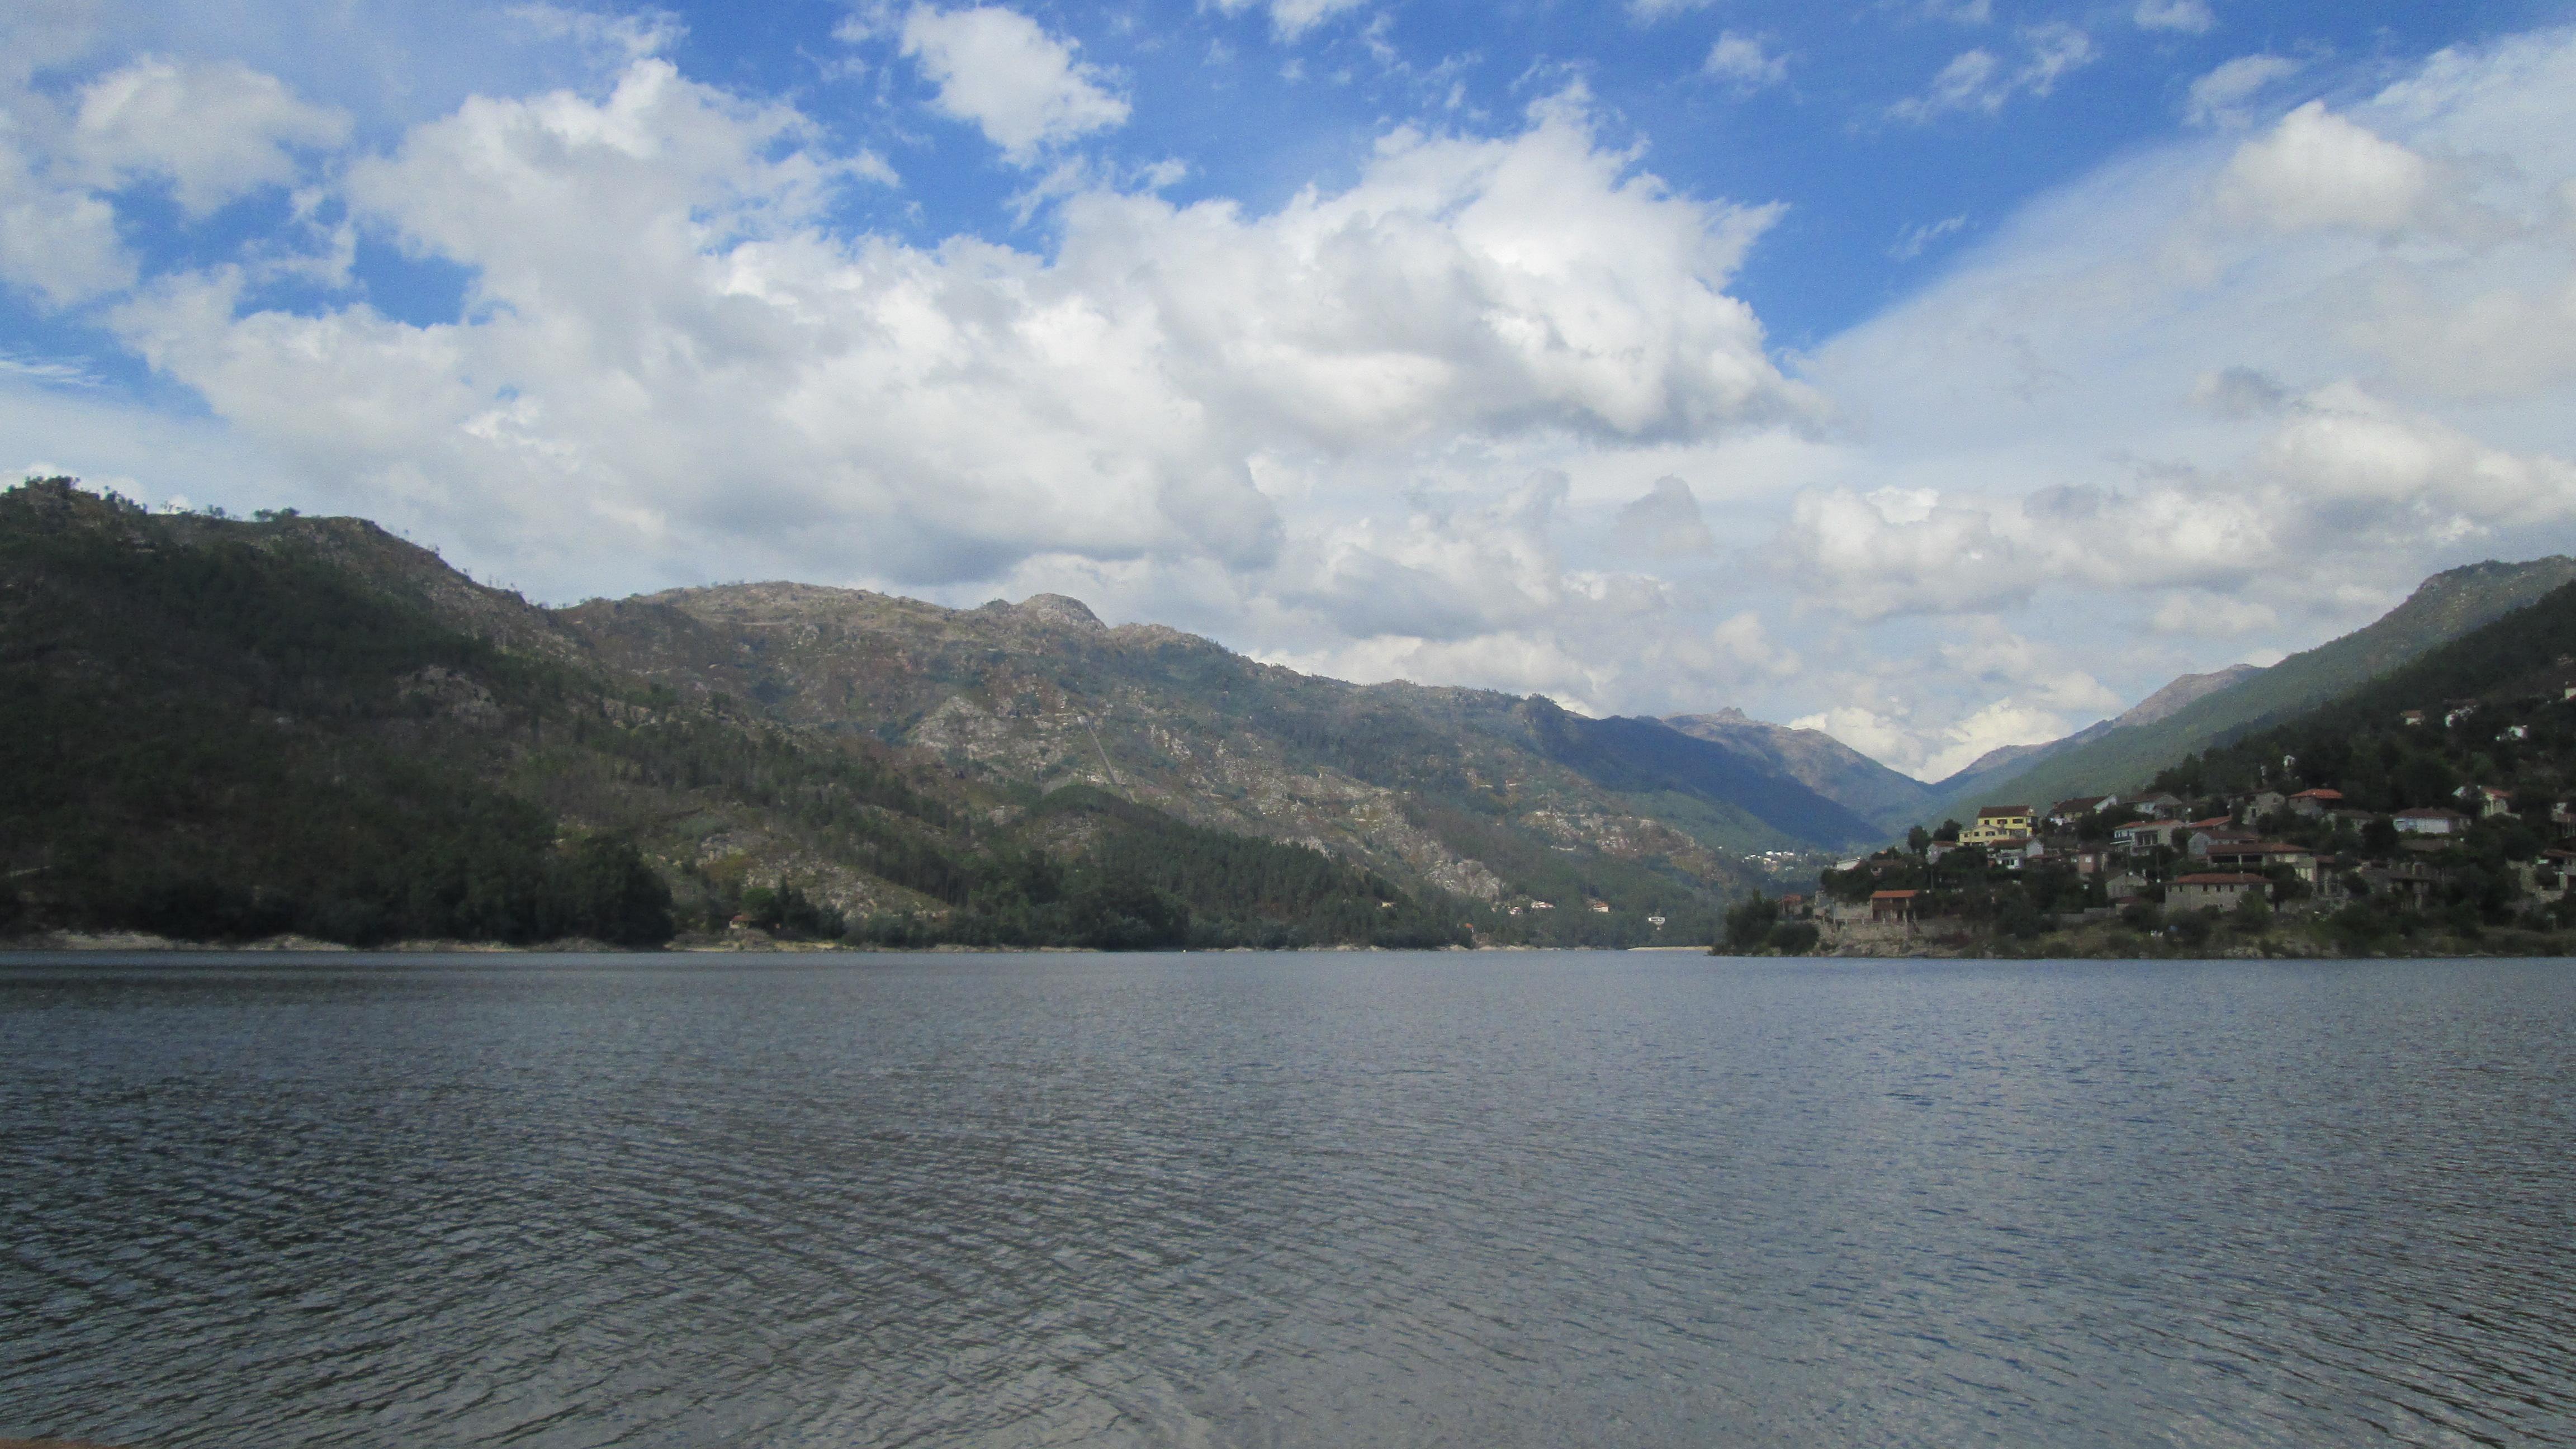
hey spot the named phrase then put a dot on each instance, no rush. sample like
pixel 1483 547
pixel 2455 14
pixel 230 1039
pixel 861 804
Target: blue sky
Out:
pixel 1946 373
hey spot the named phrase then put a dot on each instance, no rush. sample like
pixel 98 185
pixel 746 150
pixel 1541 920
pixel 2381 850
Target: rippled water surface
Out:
pixel 1285 1200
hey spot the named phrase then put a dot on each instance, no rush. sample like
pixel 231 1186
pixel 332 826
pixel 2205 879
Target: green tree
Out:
pixel 1749 922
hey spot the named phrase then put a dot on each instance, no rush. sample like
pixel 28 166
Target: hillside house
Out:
pixel 2562 812
pixel 1997 823
pixel 1845 913
pixel 2128 885
pixel 2460 709
pixel 2514 732
pixel 2263 855
pixel 2431 820
pixel 2067 812
pixel 1894 906
pixel 1792 908
pixel 2147 834
pixel 2313 803
pixel 2543 881
pixel 2407 880
pixel 2219 889
pixel 2263 802
pixel 2160 806
pixel 2487 801
pixel 2083 858
pixel 2205 841
pixel 2410 716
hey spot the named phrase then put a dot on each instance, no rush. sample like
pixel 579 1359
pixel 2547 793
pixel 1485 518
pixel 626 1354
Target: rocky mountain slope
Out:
pixel 1888 799
pixel 237 727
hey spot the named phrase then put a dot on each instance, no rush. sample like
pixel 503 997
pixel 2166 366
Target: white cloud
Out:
pixel 1004 72
pixel 2191 17
pixel 1742 61
pixel 1980 80
pixel 57 242
pixel 1648 12
pixel 2221 97
pixel 733 381
pixel 2318 169
pixel 214 131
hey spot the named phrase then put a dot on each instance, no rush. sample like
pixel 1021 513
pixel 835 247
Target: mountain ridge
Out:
pixel 2443 607
pixel 785 754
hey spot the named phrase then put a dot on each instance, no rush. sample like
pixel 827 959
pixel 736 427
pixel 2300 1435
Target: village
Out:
pixel 2289 868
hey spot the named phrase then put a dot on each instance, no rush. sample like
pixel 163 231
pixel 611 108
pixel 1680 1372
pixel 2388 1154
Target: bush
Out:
pixel 1793 938
pixel 2193 928
pixel 1749 922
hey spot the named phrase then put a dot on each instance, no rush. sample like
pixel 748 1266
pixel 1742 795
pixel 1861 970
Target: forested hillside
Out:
pixel 2486 711
pixel 227 729
pixel 2445 607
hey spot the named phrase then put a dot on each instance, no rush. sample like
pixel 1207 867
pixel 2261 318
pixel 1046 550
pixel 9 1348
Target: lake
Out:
pixel 1294 1199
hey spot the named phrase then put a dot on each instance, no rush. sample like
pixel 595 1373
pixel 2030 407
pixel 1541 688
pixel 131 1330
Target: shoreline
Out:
pixel 142 943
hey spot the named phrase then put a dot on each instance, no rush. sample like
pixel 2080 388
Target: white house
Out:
pixel 2431 821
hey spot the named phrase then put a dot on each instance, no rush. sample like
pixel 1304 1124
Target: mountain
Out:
pixel 1042 692
pixel 229 728
pixel 2004 763
pixel 2125 757
pixel 2493 713
pixel 1887 799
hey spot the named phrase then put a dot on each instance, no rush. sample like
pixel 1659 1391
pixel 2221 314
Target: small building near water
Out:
pixel 2219 888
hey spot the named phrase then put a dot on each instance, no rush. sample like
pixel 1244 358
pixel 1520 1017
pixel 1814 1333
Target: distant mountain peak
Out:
pixel 2182 692
pixel 1059 609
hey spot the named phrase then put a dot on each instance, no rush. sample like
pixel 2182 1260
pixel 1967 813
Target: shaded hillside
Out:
pixel 2443 608
pixel 2519 735
pixel 1887 799
pixel 242 727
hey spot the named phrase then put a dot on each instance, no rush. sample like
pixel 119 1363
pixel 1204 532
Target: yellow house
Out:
pixel 1998 823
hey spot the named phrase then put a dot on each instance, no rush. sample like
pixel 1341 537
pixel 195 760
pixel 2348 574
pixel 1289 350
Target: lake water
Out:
pixel 1487 1199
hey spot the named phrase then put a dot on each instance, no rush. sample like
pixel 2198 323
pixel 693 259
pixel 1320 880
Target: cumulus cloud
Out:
pixel 56 242
pixel 732 375
pixel 213 131
pixel 2318 169
pixel 1001 70
pixel 1647 12
pixel 1744 63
